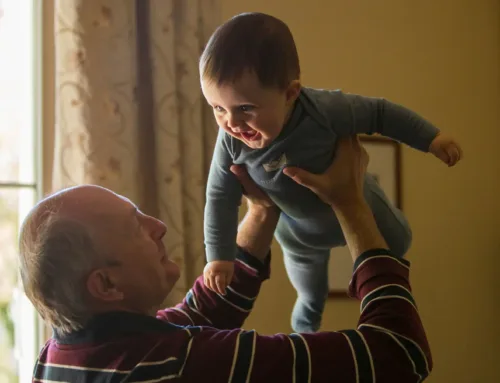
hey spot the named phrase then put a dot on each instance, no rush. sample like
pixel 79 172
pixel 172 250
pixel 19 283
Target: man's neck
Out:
pixel 120 307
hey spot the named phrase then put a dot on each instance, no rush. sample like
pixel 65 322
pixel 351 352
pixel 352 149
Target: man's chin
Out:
pixel 173 272
pixel 172 275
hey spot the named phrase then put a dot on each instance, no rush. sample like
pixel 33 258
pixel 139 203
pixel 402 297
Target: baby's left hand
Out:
pixel 446 149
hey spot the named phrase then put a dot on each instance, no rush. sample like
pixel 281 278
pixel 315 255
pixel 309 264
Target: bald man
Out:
pixel 96 270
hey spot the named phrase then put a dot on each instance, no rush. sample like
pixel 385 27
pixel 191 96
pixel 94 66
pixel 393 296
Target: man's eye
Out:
pixel 219 109
pixel 246 108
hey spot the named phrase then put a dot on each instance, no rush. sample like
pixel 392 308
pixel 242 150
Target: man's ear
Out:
pixel 101 286
pixel 293 91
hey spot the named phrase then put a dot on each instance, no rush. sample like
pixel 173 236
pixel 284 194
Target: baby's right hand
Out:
pixel 217 275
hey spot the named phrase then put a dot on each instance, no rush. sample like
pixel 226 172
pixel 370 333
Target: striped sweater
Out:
pixel 200 340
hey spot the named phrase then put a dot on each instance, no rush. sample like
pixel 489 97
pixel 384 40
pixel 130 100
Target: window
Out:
pixel 20 37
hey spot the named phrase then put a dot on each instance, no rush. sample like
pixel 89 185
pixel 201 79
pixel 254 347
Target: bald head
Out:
pixel 89 206
pixel 80 254
pixel 57 248
pixel 79 202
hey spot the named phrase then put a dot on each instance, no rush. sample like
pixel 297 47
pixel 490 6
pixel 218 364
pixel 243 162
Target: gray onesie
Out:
pixel 307 228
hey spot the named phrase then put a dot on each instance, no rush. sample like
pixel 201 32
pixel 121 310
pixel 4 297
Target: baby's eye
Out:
pixel 219 109
pixel 246 108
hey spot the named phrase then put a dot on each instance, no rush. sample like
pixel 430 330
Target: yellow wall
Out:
pixel 440 58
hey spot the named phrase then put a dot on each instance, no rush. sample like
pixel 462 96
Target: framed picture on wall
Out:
pixel 385 165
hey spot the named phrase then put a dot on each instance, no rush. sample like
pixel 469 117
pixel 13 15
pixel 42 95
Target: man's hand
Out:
pixel 255 197
pixel 342 183
pixel 256 230
pixel 217 275
pixel 446 149
pixel 341 186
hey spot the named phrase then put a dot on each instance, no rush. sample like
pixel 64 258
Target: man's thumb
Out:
pixel 241 174
pixel 300 176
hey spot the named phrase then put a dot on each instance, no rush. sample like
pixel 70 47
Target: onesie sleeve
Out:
pixel 223 198
pixel 377 115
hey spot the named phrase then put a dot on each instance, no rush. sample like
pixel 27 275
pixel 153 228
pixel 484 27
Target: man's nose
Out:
pixel 162 229
pixel 158 228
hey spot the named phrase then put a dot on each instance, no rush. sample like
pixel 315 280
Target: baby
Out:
pixel 268 121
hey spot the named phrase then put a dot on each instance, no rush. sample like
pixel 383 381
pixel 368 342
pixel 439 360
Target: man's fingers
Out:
pixel 348 144
pixel 237 170
pixel 243 177
pixel 350 149
pixel 300 176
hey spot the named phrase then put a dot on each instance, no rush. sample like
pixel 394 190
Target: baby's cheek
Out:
pixel 277 127
pixel 219 119
pixel 267 126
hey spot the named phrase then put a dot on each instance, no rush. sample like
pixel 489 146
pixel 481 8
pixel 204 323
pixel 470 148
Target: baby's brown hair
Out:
pixel 253 42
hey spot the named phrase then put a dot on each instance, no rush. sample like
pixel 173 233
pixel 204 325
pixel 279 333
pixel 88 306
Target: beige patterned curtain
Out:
pixel 130 114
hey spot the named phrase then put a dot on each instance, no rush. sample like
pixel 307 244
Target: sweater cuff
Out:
pixel 263 269
pixel 374 253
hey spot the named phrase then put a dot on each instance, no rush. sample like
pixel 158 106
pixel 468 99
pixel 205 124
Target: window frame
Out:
pixel 30 329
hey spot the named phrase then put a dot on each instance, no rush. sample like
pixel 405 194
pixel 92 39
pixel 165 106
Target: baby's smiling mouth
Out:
pixel 250 135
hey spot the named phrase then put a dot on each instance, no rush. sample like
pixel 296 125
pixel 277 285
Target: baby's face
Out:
pixel 249 112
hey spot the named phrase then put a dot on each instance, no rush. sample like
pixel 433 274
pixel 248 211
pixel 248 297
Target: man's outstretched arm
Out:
pixel 389 344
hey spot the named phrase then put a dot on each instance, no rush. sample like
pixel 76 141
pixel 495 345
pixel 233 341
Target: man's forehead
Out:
pixel 108 204
pixel 94 206
pixel 92 201
pixel 127 201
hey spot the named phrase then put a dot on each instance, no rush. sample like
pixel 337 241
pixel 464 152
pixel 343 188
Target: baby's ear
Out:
pixel 293 91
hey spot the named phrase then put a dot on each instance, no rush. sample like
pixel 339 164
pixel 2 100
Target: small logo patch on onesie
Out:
pixel 276 164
